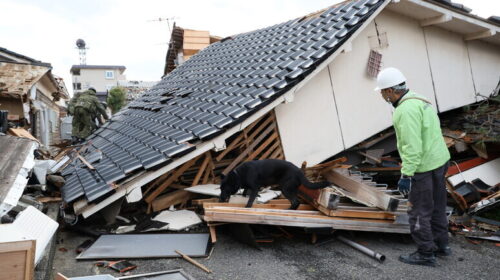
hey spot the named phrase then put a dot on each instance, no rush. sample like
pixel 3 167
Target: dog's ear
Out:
pixel 222 176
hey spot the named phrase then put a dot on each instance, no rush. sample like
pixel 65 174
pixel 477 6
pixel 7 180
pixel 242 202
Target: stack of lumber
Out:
pixel 347 216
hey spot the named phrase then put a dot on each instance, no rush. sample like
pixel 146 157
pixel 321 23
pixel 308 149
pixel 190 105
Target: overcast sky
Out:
pixel 127 32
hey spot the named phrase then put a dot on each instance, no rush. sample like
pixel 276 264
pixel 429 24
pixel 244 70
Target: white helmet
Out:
pixel 389 77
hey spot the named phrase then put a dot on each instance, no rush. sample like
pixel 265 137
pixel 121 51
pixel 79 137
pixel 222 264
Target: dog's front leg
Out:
pixel 245 192
pixel 251 199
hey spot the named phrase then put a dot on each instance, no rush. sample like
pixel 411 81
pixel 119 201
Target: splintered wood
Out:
pixel 260 140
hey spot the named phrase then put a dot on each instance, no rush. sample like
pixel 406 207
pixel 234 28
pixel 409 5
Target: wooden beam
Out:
pixel 85 162
pixel 270 150
pixel 169 199
pixel 178 172
pixel 201 170
pixel 247 150
pixel 213 234
pixel 436 20
pixel 234 144
pixel 480 35
pixel 263 146
pixel 362 192
pixel 197 264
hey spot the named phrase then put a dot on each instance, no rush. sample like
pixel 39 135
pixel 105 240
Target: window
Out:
pixel 77 86
pixel 110 75
pixel 76 72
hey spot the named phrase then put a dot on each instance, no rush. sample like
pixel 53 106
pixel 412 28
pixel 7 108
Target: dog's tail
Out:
pixel 314 186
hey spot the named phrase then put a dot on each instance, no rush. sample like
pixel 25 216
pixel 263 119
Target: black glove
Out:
pixel 404 185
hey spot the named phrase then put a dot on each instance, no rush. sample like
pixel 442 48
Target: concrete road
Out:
pixel 297 258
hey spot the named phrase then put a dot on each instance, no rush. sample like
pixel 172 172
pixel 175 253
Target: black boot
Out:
pixel 443 251
pixel 419 258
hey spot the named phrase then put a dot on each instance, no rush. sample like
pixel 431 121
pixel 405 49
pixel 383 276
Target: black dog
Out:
pixel 253 175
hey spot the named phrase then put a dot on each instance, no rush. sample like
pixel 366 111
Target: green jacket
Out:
pixel 418 132
pixel 89 101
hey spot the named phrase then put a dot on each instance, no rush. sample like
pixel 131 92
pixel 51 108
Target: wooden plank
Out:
pixel 363 193
pixel 217 215
pixel 21 132
pixel 169 199
pixel 247 150
pixel 17 259
pixel 259 206
pixel 178 172
pixel 276 154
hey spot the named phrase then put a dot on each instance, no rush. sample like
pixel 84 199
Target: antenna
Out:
pixel 167 20
pixel 82 50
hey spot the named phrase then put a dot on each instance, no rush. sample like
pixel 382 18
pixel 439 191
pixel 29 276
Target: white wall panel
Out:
pixel 485 63
pixel 407 51
pixel 450 68
pixel 308 126
pixel 362 111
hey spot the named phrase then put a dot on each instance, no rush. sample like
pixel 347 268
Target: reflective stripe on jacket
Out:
pixel 418 132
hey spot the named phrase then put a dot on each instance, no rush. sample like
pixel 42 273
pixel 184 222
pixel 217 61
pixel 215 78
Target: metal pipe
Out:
pixel 375 255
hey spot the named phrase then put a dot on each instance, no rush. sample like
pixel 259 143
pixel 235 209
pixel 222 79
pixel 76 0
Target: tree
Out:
pixel 116 99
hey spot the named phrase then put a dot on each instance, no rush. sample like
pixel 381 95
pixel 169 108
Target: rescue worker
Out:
pixel 425 159
pixel 72 102
pixel 86 108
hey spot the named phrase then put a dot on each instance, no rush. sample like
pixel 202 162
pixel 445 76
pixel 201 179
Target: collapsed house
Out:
pixel 34 97
pixel 301 90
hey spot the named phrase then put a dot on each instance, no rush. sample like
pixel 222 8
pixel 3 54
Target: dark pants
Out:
pixel 427 209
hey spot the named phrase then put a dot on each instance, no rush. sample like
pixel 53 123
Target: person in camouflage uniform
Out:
pixel 72 102
pixel 85 109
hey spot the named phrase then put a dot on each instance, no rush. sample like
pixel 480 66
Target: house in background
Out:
pixel 101 77
pixel 185 43
pixel 34 97
pixel 135 88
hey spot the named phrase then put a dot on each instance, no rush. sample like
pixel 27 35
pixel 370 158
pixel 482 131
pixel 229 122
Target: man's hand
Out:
pixel 404 185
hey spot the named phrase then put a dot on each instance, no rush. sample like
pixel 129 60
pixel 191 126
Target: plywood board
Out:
pixel 17 260
pixel 485 61
pixel 147 246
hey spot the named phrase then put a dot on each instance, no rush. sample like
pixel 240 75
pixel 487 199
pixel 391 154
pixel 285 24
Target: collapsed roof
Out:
pixel 216 89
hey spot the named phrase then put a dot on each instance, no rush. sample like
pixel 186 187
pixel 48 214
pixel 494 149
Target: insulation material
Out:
pixel 147 246
pixel 41 168
pixel 214 190
pixel 488 172
pixel 30 224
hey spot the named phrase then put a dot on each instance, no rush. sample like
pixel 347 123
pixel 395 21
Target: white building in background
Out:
pixel 101 77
